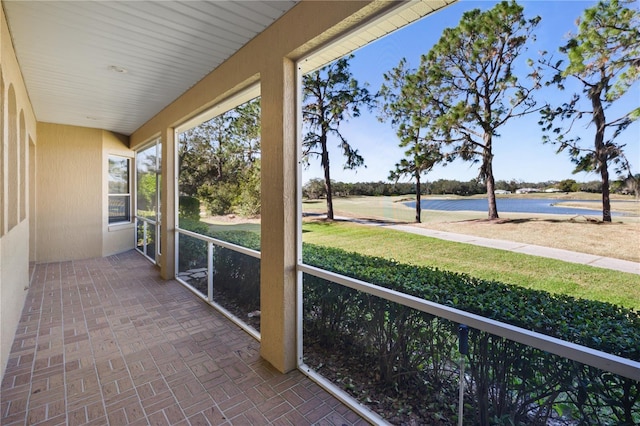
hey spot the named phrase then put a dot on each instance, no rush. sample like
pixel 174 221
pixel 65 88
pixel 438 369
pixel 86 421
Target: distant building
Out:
pixel 501 191
pixel 526 190
pixel 552 190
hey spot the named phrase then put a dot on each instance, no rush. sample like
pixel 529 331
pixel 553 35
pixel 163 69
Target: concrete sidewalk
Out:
pixel 531 249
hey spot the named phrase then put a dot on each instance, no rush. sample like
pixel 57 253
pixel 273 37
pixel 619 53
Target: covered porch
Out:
pixel 108 341
pixel 96 96
pixel 92 332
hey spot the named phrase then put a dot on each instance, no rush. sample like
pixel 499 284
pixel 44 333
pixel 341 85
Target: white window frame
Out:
pixel 119 220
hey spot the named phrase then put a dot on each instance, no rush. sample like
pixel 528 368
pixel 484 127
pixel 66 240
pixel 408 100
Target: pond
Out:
pixel 527 205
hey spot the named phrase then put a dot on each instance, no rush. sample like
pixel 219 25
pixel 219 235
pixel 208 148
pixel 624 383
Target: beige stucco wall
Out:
pixel 32 200
pixel 270 59
pixel 14 283
pixel 69 187
pixel 72 221
pixel 14 242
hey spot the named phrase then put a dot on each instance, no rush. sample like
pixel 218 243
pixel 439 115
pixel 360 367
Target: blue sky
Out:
pixel 519 152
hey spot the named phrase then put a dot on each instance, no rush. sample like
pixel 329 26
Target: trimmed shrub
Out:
pixel 598 325
pixel 188 208
pixel 237 275
pixel 192 253
pixel 219 197
pixel 407 352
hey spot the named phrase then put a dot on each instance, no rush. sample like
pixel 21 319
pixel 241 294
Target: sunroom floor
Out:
pixel 107 341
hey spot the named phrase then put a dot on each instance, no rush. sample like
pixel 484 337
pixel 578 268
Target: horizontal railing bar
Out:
pixel 227 245
pixel 602 360
pixel 144 219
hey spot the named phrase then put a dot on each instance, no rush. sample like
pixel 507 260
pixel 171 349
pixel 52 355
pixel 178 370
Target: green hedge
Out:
pixel 247 239
pixel 405 352
pixel 236 276
pixel 188 208
pixel 598 325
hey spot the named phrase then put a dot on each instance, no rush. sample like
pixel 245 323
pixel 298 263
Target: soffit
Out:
pixel 71 53
pixel 398 16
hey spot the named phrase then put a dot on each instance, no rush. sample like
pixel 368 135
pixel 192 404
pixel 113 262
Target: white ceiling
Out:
pixel 115 64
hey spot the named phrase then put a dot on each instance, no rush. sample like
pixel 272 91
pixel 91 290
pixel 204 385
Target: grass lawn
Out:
pixel 620 239
pixel 221 225
pixel 514 268
pixel 585 234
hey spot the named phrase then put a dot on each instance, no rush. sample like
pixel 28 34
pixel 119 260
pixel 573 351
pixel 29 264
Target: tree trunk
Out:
pixel 418 206
pixel 487 172
pixel 606 201
pixel 491 194
pixel 327 177
pixel 601 154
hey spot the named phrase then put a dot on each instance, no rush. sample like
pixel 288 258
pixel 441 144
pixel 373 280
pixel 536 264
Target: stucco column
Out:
pixel 168 205
pixel 278 197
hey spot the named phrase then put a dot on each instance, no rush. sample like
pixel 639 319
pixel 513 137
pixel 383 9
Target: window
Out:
pixel 119 190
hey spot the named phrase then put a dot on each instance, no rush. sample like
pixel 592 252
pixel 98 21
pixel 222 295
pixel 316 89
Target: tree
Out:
pixel 147 183
pixel 330 96
pixel 408 104
pixel 568 185
pixel 632 185
pixel 472 66
pixel 628 185
pixel 245 128
pixel 314 189
pixel 631 182
pixel 604 57
pixel 510 186
pixel 245 125
pixel 594 186
pixel 219 161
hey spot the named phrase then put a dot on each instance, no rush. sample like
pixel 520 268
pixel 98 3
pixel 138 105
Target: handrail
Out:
pixel 144 219
pixel 225 244
pixel 602 360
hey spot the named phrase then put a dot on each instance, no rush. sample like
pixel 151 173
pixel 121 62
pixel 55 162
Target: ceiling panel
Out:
pixel 71 53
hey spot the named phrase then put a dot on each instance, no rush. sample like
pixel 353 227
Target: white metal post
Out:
pixel 210 271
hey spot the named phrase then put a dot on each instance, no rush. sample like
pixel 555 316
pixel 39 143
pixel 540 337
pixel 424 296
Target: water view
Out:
pixel 535 205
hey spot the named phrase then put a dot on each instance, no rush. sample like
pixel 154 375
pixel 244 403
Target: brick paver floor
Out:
pixel 107 341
